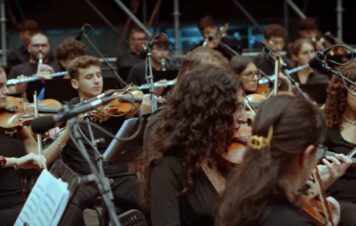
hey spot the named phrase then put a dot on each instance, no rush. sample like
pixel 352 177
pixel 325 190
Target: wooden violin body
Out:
pixel 19 113
pixel 126 104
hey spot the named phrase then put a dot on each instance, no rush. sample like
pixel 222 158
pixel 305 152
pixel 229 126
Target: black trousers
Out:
pixel 126 194
pixel 8 216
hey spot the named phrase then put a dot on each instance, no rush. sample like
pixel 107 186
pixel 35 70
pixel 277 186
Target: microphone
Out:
pixel 319 63
pixel 79 36
pixel 160 40
pixel 42 124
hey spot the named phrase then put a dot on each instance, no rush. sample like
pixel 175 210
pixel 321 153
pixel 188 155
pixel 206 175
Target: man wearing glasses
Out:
pixel 39 50
pixel 134 55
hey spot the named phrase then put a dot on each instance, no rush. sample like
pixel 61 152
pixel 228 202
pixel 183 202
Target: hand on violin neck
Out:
pixel 333 168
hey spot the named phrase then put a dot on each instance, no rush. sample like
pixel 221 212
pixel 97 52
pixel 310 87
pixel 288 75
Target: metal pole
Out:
pixel 176 14
pixel 286 18
pixel 133 17
pixel 247 14
pixel 296 9
pixel 3 33
pixel 339 11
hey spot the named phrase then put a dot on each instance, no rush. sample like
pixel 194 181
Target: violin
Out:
pixel 19 113
pixel 237 147
pixel 315 205
pixel 124 104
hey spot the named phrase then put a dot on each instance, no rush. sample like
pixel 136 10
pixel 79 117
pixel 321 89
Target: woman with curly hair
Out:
pixel 340 112
pixel 264 190
pixel 197 124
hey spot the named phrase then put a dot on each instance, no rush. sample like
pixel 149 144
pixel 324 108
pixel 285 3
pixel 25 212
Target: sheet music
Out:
pixel 46 202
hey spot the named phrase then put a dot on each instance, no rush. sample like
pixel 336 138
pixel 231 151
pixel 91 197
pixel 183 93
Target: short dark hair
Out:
pixel 239 63
pixel 28 25
pixel 81 62
pixel 206 21
pixel 308 23
pixel 274 30
pixel 134 30
pixel 69 49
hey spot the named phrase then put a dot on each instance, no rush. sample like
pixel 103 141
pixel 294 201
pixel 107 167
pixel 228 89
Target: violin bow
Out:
pixel 322 197
pixel 38 136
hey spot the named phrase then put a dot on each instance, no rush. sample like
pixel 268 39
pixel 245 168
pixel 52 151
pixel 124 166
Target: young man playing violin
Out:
pixel 86 78
pixel 19 150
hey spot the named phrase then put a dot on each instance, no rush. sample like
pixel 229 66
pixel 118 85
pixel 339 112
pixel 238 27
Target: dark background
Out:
pixel 65 17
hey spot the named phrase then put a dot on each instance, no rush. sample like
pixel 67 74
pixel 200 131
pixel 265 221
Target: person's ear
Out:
pixel 306 156
pixel 74 83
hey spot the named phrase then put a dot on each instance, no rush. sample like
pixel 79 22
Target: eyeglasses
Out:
pixel 252 74
pixel 39 45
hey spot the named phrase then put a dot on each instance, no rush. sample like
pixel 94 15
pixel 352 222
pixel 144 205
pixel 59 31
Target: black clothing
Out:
pixel 137 74
pixel 265 63
pixel 168 207
pixel 313 78
pixel 315 86
pixel 17 56
pixel 11 196
pixel 345 187
pixel 284 213
pixel 72 157
pixel 124 184
pixel 129 59
pixel 29 69
pixel 10 186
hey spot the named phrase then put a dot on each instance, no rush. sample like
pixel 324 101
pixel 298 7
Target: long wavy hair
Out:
pixel 253 186
pixel 196 122
pixel 336 96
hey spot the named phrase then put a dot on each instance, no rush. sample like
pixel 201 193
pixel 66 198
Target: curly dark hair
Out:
pixel 70 48
pixel 274 30
pixel 336 96
pixel 196 122
pixel 256 183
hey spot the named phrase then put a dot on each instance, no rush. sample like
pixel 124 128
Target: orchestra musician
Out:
pixel 13 149
pixel 302 51
pixel 39 50
pixel 247 72
pixel 160 55
pixel 67 50
pixel 340 112
pixel 182 174
pixel 86 78
pixel 282 154
pixel 274 40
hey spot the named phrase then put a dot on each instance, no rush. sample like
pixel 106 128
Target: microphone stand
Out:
pixel 101 182
pixel 149 77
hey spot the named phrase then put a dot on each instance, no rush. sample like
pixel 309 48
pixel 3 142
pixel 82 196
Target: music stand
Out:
pixel 120 152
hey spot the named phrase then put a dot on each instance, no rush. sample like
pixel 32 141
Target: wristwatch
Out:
pixel 2 161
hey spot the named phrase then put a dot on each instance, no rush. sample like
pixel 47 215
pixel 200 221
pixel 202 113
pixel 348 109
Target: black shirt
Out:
pixel 137 74
pixel 129 59
pixel 266 63
pixel 345 187
pixel 313 78
pixel 17 56
pixel 284 213
pixel 10 185
pixel 73 157
pixel 29 69
pixel 168 207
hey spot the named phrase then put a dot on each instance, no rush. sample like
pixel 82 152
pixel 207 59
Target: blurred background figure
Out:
pixel 20 55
